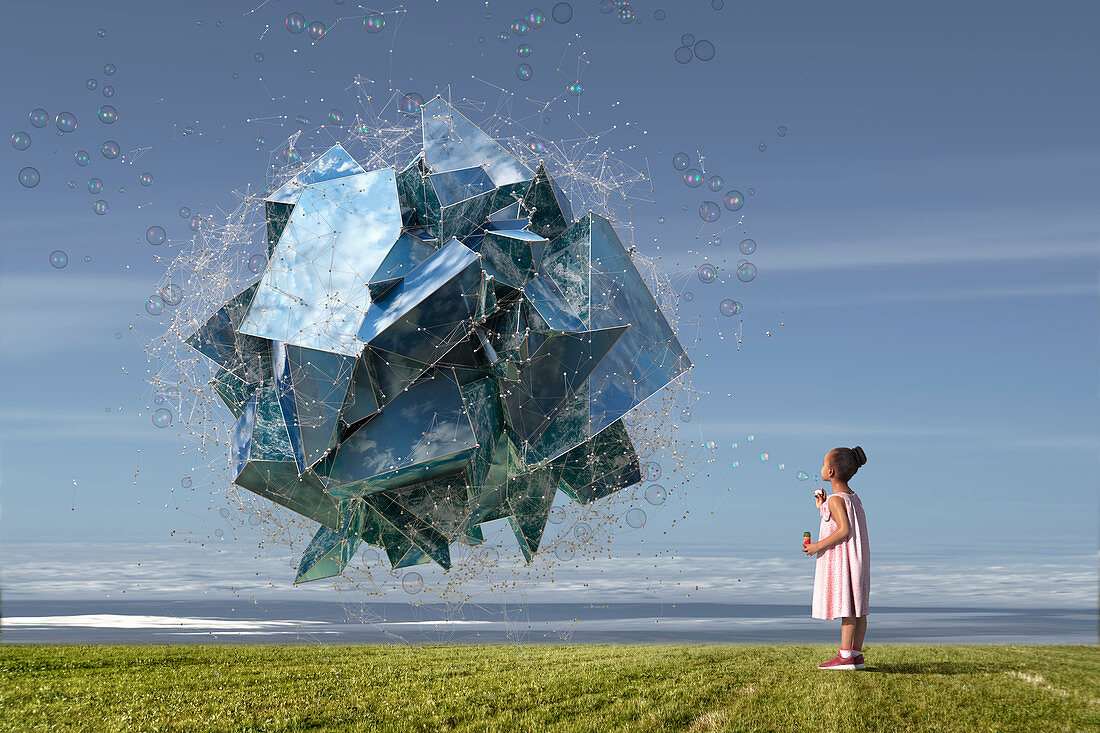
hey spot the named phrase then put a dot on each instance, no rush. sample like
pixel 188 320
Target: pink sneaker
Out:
pixel 839 662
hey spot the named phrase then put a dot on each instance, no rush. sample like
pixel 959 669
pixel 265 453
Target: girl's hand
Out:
pixel 810 549
pixel 819 497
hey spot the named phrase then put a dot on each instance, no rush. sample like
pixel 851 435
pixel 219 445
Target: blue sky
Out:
pixel 927 238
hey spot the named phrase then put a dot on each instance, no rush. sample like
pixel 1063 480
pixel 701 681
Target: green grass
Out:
pixel 596 687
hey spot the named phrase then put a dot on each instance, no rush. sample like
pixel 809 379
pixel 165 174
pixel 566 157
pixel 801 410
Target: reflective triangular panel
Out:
pixel 331 550
pixel 335 163
pixel 452 142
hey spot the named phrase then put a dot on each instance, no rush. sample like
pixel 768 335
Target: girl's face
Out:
pixel 825 467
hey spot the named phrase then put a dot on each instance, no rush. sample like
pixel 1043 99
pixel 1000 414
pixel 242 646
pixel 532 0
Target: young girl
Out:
pixel 842 583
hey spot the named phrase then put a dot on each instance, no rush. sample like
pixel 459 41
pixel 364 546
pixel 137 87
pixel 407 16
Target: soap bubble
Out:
pixel 219 532
pixel 582 530
pixel 295 23
pixel 715 183
pixel 536 145
pixel 752 192
pixel 655 494
pixel 681 161
pixel 605 6
pixel 761 147
pixel 100 208
pixel 336 117
pixel 636 518
pixel 65 121
pixel 503 37
pixel 258 57
pixel 59 259
pixel 110 149
pixel 746 272
pixel 536 18
pixel 659 15
pixel 562 13
pixel 256 262
pixel 39 117
pixel 110 69
pixel 750 437
pixel 564 552
pixel 95 185
pixel 747 246
pixel 556 516
pixel 195 223
pixel 186 482
pixel 704 50
pixel 146 179
pixel 660 220
pixel 687 40
pixel 688 296
pixel 575 89
pixel 712 446
pixel 733 200
pixel 108 91
pixel 300 119
pixel 729 308
pixel 410 104
pixel 255 519
pixel 102 33
pixel 107 114
pixel 626 14
pixel 82 158
pixel 524 72
pixel 374 23
pixel 154 306
pixel 524 50
pixel 155 235
pixel 520 27
pixel 412 583
pixel 162 417
pixel 29 177
pixel 715 240
pixel 685 415
pixel 188 131
pixel 693 178
pixel 682 54
pixel 291 156
pixel 802 476
pixel 316 30
pixel 781 131
pixel 709 211
pixel 763 457
pixel 184 212
pixel 650 471
pixel 370 556
pixel 708 273
pixel 21 140
pixel 91 84
pixel 172 294
pixel 718 4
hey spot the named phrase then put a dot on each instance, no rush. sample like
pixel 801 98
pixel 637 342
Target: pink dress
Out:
pixel 842 583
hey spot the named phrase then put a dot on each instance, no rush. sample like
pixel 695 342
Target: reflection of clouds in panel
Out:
pixel 314 291
pixel 336 163
pixel 452 142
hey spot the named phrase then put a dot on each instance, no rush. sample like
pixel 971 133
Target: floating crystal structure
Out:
pixel 435 348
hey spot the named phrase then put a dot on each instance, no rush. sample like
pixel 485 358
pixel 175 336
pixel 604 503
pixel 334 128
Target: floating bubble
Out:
pixel 650 471
pixel 582 530
pixel 520 27
pixel 188 131
pixel 295 23
pixel 718 4
pixel 122 189
pixel 155 235
pixel 255 519
pixel 536 145
pixel 715 240
pixel 146 179
pixel 564 552
pixel 687 40
pixel 782 466
pixel 752 192
pixel 685 415
pixel 562 13
pixel 524 72
pixel 336 117
pixel 747 246
pixel 750 437
pixel 195 223
pixel 29 177
pixel 682 55
pixel 660 220
pixel 91 84
pixel 172 393
pixel 733 200
pixel 412 583
pixel 291 156
pixel 503 37
pixel 108 91
pixel 688 296
pixel 162 417
pixel 524 50
pixel 761 147
pixel 219 533
pixel 39 117
pixel 21 140
pixel 802 476
pixel 154 305
pixel 184 212
pixel 703 50
pixel 95 185
pixel 118 336
pixel 82 158
pixel 102 33
pixel 185 482
pixel 708 273
pixel 481 39
pixel 316 30
pixel 709 211
pixel 260 141
pixel 110 149
pixel 605 6
pixel 107 114
pixel 172 294
pixel 763 457
pixel 735 463
pixel 65 121
pixel 556 516
pixel 659 15
pixel 746 272
pixel 370 556
pixel 256 263
pixel 715 183
pixel 781 131
pixel 109 69
pixel 59 259
pixel 626 14
pixel 712 446
pixel 223 512
pixel 536 18
pixel 681 161
pixel 575 89
pixel 729 308
pixel 636 518
pixel 693 178
pixel 410 104
pixel 655 494
pixel 374 23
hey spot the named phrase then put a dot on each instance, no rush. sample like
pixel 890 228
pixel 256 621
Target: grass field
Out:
pixel 548 688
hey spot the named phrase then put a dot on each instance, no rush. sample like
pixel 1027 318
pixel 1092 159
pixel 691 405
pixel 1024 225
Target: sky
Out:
pixel 927 288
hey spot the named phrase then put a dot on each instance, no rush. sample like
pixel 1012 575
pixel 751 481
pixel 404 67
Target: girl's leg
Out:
pixel 848 631
pixel 860 632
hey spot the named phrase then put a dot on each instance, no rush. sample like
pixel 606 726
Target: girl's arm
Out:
pixel 840 516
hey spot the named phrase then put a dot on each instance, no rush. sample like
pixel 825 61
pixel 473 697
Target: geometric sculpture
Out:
pixel 432 349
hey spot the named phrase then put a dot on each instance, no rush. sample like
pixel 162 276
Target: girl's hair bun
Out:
pixel 859 455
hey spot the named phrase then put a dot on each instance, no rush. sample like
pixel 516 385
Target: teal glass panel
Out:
pixel 452 142
pixel 548 213
pixel 335 163
pixel 459 185
pixel 279 482
pixel 234 392
pixel 530 497
pixel 482 400
pixel 277 216
pixel 408 527
pixel 550 304
pixel 245 357
pixel 514 254
pixel 407 253
pixel 330 550
pixel 415 193
pixel 270 439
pixel 314 291
pixel 320 382
pixel 362 396
pixel 463 219
pixel 600 466
pixel 240 438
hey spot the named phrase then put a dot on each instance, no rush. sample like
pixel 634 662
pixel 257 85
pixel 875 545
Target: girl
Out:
pixel 842 583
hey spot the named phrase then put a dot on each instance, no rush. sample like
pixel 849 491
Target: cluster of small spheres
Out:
pixel 691 48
